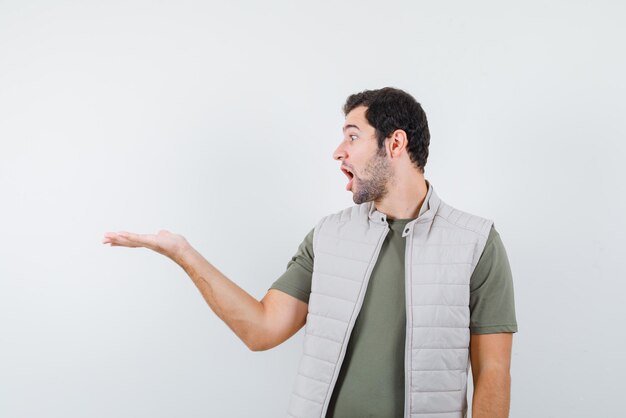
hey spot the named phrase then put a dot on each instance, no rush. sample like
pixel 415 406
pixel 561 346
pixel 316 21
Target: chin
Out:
pixel 356 200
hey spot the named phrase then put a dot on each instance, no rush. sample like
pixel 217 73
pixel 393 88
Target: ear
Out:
pixel 398 142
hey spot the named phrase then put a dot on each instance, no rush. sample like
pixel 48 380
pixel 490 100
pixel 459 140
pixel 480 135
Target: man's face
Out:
pixel 366 167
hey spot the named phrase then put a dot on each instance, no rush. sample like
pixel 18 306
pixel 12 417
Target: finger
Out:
pixel 110 237
pixel 136 240
pixel 123 239
pixel 126 241
pixel 131 237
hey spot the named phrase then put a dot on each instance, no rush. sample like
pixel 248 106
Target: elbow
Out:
pixel 252 346
pixel 500 377
pixel 256 348
pixel 258 345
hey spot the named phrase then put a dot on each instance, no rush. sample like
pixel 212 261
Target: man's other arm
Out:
pixel 490 355
pixel 492 324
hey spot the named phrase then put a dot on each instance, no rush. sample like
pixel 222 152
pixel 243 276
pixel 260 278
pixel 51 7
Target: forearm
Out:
pixel 491 398
pixel 233 305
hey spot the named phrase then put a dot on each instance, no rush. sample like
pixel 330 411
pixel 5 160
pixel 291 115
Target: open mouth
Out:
pixel 347 172
pixel 350 176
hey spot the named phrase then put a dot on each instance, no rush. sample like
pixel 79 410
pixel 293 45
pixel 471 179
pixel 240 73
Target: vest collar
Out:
pixel 427 211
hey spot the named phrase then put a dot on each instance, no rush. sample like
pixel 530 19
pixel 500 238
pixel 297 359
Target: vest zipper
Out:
pixel 408 254
pixel 357 309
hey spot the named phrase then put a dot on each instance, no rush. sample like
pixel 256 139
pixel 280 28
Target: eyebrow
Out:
pixel 350 126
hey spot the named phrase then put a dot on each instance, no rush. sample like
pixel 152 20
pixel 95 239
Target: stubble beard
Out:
pixel 379 172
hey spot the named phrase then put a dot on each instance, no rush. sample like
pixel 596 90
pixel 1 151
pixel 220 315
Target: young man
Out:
pixel 399 293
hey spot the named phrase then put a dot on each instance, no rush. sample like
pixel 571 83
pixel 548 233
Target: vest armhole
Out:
pixel 483 235
pixel 315 234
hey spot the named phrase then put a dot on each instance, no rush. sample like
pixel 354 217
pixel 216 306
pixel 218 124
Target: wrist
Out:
pixel 182 252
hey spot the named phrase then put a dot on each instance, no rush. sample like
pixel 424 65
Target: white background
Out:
pixel 218 120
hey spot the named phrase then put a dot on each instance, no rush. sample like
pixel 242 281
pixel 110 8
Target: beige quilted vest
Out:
pixel 443 246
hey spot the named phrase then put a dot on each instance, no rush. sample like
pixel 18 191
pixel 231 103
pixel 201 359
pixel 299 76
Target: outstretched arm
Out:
pixel 490 355
pixel 259 324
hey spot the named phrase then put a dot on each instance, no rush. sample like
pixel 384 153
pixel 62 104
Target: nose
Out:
pixel 340 153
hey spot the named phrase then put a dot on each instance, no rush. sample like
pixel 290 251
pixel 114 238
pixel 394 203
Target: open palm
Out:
pixel 164 242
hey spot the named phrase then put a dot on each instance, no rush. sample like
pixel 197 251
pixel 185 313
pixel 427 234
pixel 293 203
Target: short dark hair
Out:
pixel 389 109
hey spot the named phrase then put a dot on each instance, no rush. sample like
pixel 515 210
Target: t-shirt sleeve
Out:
pixel 296 280
pixel 492 305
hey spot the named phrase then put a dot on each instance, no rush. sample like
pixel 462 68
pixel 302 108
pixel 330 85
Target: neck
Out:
pixel 405 198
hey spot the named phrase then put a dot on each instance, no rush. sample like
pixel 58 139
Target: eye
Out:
pixel 353 137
